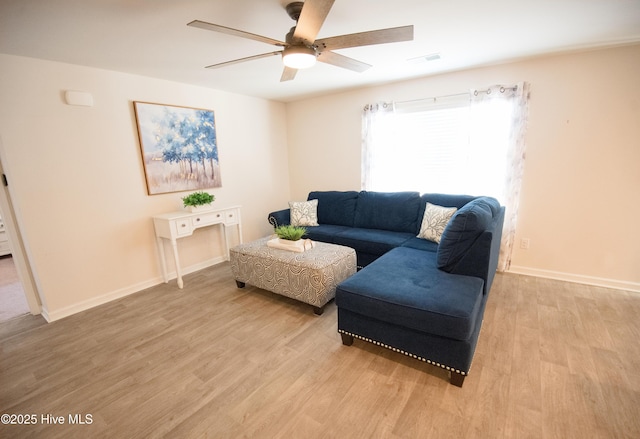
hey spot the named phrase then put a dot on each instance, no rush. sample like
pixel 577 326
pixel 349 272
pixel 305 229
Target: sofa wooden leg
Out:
pixel 457 379
pixel 240 284
pixel 347 339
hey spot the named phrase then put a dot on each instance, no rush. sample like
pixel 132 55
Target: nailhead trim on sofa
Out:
pixel 449 368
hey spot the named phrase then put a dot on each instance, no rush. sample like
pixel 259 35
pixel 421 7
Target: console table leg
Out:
pixel 163 259
pixel 177 260
pixel 226 243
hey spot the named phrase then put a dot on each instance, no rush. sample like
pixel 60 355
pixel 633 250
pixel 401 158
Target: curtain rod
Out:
pixel 475 92
pixel 433 98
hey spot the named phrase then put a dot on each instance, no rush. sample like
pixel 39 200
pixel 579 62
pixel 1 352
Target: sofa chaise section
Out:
pixel 428 305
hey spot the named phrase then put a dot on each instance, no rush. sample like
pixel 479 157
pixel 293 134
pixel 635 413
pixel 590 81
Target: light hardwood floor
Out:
pixel 554 360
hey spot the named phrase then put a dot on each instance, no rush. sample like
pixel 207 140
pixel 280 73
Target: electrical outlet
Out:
pixel 525 243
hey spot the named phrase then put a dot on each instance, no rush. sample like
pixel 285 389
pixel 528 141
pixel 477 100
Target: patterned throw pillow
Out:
pixel 304 213
pixel 434 221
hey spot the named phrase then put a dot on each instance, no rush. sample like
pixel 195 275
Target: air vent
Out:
pixel 425 58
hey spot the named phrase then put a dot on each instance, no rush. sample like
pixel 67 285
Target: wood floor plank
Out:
pixel 212 360
pixel 525 379
pixel 523 423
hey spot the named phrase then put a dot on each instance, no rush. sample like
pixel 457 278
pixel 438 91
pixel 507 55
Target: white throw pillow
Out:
pixel 304 213
pixel 434 221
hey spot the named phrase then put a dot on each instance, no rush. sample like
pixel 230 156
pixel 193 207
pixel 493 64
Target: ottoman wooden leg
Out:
pixel 240 284
pixel 347 339
pixel 318 311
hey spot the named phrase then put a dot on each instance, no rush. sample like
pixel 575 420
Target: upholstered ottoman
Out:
pixel 310 277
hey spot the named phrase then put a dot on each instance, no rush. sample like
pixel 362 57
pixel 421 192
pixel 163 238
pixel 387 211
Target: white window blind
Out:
pixel 444 145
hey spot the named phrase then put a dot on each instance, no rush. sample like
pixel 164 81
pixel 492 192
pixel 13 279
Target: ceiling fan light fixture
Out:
pixel 299 57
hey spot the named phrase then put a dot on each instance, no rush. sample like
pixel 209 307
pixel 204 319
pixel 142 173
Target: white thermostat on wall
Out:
pixel 81 98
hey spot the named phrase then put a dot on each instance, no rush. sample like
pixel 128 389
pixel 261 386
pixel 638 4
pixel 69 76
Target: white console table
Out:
pixel 175 225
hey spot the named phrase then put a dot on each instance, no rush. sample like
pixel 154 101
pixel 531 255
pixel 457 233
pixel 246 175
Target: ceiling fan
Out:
pixel 301 49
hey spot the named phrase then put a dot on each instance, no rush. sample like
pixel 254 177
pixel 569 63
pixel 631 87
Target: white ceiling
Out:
pixel 151 38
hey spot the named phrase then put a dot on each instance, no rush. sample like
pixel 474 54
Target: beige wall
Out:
pixel 77 181
pixel 580 200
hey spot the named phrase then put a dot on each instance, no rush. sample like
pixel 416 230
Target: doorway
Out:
pixel 13 302
pixel 16 272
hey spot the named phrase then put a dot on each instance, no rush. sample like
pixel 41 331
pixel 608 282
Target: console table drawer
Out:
pixel 183 227
pixel 232 217
pixel 206 219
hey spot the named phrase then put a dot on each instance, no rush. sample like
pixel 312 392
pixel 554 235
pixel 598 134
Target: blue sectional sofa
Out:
pixel 415 296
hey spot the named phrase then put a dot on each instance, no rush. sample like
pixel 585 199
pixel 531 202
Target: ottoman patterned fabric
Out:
pixel 310 277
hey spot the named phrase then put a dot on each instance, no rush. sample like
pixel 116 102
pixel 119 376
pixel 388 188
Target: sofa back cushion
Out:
pixel 463 229
pixel 395 211
pixel 334 207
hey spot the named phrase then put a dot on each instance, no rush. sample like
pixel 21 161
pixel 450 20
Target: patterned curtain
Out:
pixel 371 114
pixel 518 97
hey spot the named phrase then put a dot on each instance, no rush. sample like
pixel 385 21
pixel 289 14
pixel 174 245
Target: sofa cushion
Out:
pixel 371 241
pixel 304 213
pixel 463 229
pixel 434 221
pixel 448 200
pixel 335 207
pixel 421 244
pixel 405 288
pixel 325 233
pixel 394 211
pixel 493 204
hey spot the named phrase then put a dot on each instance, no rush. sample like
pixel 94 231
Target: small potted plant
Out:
pixel 290 234
pixel 198 201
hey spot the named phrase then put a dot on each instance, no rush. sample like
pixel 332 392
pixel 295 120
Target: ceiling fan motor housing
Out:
pixel 292 41
pixel 294 9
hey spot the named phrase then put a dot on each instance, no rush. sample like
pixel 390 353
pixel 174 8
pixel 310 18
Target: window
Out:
pixel 469 144
pixel 444 146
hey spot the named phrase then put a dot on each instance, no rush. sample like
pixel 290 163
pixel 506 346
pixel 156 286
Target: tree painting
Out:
pixel 179 148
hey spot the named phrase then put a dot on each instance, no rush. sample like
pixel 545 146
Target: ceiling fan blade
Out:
pixel 236 61
pixel 313 14
pixel 234 32
pixel 288 74
pixel 381 36
pixel 343 61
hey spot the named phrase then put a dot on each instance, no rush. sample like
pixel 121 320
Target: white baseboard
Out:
pixel 131 289
pixel 576 278
pixel 58 314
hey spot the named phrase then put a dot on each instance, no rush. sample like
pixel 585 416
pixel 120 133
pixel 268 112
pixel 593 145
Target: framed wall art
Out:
pixel 179 147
